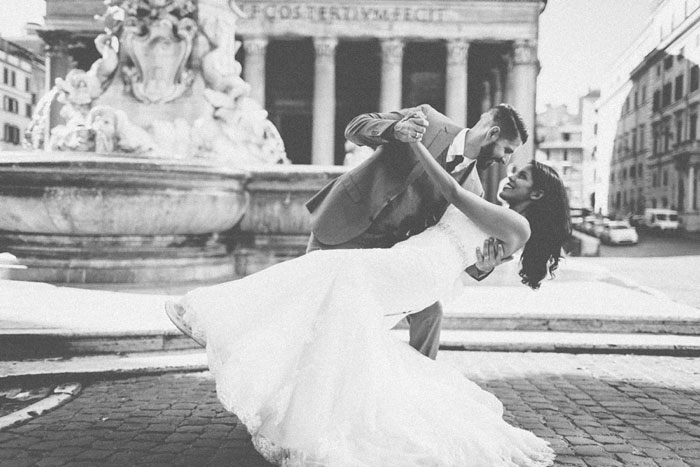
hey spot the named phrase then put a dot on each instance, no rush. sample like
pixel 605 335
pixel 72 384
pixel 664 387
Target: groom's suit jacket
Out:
pixel 390 193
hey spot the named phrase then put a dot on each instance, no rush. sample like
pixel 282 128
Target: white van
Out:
pixel 661 219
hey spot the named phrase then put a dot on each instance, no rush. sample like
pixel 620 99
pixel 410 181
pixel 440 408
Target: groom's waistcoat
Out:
pixel 390 193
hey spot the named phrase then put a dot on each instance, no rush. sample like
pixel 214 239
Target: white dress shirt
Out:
pixel 457 149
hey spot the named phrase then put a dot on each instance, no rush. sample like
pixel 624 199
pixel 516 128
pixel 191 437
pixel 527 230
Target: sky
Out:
pixel 578 40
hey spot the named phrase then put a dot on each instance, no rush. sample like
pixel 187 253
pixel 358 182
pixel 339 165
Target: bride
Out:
pixel 302 355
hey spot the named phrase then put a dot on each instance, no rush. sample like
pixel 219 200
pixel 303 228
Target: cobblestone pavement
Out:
pixel 596 410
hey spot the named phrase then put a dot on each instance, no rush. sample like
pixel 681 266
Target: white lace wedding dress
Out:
pixel 301 354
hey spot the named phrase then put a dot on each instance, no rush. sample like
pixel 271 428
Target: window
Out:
pixel 665 180
pixel 693 127
pixel 10 104
pixel 666 97
pixel 655 180
pixel 658 70
pixel 679 87
pixel 11 134
pixel 634 141
pixel 5 76
pixel 566 136
pixel 694 78
pixel 644 94
pixel 657 101
pixel 636 99
pixel 679 130
pixel 13 79
pixel 566 155
pixel 27 84
pixel 28 110
pixel 639 173
pixel 668 62
pixel 641 138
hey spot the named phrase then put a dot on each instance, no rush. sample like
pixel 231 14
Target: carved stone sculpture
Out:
pixel 168 65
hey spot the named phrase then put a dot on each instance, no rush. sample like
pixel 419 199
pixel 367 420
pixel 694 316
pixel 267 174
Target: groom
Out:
pixel 389 197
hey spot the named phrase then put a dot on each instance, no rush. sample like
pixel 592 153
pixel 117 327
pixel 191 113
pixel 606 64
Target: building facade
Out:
pixel 655 151
pixel 566 142
pixel 315 65
pixel 21 84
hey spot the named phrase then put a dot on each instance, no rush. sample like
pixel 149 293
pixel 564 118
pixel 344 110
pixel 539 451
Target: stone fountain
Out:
pixel 164 170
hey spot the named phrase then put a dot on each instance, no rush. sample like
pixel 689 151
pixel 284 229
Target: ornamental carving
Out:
pixel 525 52
pixel 392 51
pixel 457 52
pixel 167 85
pixel 255 46
pixel 325 47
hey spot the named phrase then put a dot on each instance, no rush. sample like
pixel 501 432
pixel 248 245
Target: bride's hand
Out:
pixel 491 256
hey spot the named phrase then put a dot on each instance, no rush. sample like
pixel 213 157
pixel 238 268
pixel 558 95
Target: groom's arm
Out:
pixel 375 129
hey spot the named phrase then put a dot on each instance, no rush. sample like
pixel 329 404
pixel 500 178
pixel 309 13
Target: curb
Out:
pixel 61 395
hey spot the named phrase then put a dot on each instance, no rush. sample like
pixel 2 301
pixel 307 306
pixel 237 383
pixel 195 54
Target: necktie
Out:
pixel 450 166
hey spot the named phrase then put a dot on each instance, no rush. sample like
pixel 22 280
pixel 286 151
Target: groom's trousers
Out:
pixel 424 326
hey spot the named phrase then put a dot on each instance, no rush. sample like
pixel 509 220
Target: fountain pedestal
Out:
pixel 276 225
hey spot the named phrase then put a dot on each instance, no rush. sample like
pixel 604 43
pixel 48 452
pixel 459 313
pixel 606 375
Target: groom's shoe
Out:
pixel 176 313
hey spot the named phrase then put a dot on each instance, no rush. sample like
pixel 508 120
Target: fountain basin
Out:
pixel 82 218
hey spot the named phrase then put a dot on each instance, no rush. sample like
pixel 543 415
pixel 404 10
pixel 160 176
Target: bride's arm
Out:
pixel 500 222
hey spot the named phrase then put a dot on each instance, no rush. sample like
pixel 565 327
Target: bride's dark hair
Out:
pixel 550 226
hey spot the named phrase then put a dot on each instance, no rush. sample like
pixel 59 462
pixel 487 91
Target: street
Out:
pixel 667 263
pixel 595 410
pixel 654 244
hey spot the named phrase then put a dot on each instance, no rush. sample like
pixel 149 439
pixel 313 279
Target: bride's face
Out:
pixel 519 187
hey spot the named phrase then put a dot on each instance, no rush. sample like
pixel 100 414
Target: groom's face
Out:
pixel 499 151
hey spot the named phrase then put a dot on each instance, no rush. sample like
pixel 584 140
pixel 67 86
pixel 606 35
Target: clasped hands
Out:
pixel 412 127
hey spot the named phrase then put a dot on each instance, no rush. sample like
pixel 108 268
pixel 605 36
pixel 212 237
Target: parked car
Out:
pixel 600 226
pixel 661 219
pixel 619 233
pixel 587 225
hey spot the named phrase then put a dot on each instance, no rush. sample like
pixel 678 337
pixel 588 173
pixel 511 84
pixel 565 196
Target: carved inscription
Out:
pixel 341 13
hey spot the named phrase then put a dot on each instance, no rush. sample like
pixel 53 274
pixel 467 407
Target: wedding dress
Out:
pixel 302 355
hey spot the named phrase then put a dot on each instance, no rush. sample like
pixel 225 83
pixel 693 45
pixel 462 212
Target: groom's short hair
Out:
pixel 510 122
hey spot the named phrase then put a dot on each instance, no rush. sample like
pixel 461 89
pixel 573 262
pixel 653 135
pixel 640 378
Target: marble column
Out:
pixel 456 81
pixel 690 191
pixel 524 87
pixel 392 77
pixel 323 138
pixel 58 64
pixel 497 86
pixel 254 69
pixel 497 172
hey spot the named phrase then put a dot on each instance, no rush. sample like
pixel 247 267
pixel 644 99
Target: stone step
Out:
pixel 59 348
pixel 572 323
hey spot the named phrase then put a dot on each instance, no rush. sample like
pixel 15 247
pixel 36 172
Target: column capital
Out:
pixel 392 50
pixel 457 51
pixel 525 52
pixel 255 45
pixel 325 46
